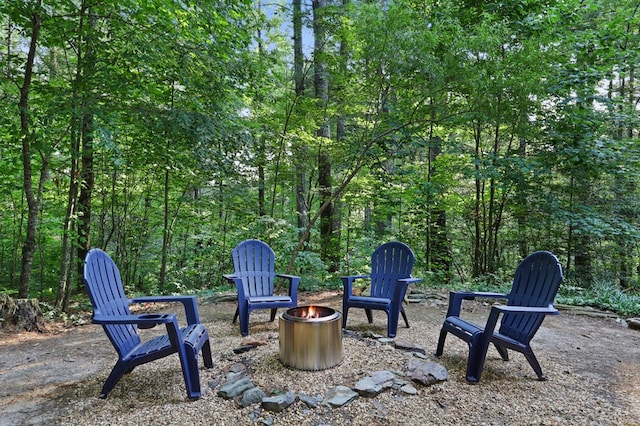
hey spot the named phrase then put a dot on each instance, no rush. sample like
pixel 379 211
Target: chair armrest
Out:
pixel 142 321
pixel 189 303
pixel 549 310
pixel 401 288
pixel 410 280
pixel 347 282
pixel 237 281
pixel 289 277
pixel 294 281
pixel 355 277
pixel 456 298
pixel 503 309
pixel 470 295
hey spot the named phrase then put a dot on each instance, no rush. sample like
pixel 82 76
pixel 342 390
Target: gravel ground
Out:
pixel 592 366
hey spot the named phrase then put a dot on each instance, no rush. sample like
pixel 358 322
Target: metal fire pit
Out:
pixel 310 342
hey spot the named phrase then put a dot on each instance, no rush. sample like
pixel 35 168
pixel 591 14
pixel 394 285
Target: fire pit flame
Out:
pixel 309 313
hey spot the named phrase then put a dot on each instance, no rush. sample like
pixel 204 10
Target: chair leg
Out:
pixel 206 355
pixel 533 361
pixel 369 315
pixel 502 351
pixel 273 314
pixel 190 371
pixel 392 323
pixel 404 316
pixel 441 339
pixel 244 325
pixel 477 354
pixel 235 316
pixel 243 315
pixel 345 312
pixel 117 372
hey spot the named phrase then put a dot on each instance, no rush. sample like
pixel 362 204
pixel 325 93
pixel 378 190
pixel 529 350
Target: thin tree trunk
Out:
pixel 86 167
pixel 478 264
pixel 83 69
pixel 33 197
pixel 302 206
pixel 261 159
pixel 492 225
pixel 321 85
pixel 165 234
pixel 522 213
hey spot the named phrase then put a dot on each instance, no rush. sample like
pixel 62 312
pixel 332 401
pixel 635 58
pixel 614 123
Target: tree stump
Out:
pixel 21 314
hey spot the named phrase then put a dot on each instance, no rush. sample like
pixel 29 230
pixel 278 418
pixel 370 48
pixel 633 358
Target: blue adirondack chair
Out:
pixel 254 276
pixel 391 266
pixel 111 310
pixel 534 288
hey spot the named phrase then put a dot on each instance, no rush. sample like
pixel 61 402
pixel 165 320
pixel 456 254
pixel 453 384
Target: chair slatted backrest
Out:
pixel 254 262
pixel 104 285
pixel 535 284
pixel 390 262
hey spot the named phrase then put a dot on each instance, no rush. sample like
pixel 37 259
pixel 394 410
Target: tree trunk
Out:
pixel 438 255
pixel 166 231
pixel 302 205
pixel 86 167
pixel 521 203
pixel 478 262
pixel 28 138
pixel 78 119
pixel 321 85
pixel 493 214
pixel 261 159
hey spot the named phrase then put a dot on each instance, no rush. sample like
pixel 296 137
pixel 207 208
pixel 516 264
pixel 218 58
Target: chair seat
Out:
pixel 191 335
pixel 358 301
pixel 463 326
pixel 268 299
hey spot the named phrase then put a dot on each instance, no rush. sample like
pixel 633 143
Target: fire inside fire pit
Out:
pixel 310 338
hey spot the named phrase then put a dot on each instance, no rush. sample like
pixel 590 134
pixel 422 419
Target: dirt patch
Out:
pixel 592 365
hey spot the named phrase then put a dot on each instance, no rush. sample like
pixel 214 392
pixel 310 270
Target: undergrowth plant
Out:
pixel 602 295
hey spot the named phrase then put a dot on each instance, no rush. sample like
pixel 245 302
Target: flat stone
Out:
pixel 266 420
pixel 237 367
pixel 310 401
pixel 243 348
pixel 409 390
pixel 409 347
pixel 235 376
pixel 251 396
pixel 232 389
pixel 427 373
pixel 339 396
pixel 634 323
pixel 279 402
pixel 375 383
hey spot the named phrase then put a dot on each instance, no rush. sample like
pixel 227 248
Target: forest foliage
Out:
pixel 166 132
